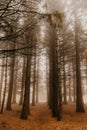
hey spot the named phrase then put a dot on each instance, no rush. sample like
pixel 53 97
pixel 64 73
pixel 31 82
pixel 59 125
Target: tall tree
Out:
pixel 11 79
pixel 79 97
pixel 4 92
pixel 22 82
pixel 26 102
pixel 34 78
pixel 2 77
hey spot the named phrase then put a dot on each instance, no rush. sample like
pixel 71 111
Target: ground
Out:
pixel 40 119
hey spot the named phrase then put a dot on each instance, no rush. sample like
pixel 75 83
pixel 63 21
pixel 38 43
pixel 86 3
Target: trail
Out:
pixel 40 119
pixel 41 113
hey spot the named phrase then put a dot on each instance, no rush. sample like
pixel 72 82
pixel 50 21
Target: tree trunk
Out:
pixel 86 71
pixel 15 84
pixel 74 82
pixel 55 89
pixel 4 93
pixel 64 81
pixel 69 75
pixel 1 81
pixel 23 81
pixel 9 99
pixel 79 97
pixel 47 78
pixel 34 80
pixel 26 102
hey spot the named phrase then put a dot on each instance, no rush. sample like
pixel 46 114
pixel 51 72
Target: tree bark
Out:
pixel 22 84
pixel 79 97
pixel 1 82
pixel 9 99
pixel 69 75
pixel 37 81
pixel 15 84
pixel 34 80
pixel 74 82
pixel 26 102
pixel 4 93
pixel 64 80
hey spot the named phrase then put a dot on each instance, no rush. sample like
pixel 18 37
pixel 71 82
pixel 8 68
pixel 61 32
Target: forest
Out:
pixel 43 64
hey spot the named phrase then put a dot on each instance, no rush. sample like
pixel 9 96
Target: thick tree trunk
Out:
pixel 26 102
pixel 55 86
pixel 51 78
pixel 79 97
pixel 9 99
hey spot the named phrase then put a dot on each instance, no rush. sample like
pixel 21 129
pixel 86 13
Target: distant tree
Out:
pixel 2 77
pixel 22 82
pixel 34 77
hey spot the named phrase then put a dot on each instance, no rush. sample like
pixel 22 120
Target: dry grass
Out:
pixel 40 119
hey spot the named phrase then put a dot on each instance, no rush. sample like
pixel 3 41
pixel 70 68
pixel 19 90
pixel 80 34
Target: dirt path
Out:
pixel 41 113
pixel 40 119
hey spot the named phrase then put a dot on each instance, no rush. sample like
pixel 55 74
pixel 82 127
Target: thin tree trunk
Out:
pixel 1 81
pixel 37 82
pixel 23 81
pixel 4 93
pixel 15 85
pixel 34 81
pixel 64 81
pixel 47 78
pixel 86 71
pixel 69 74
pixel 74 83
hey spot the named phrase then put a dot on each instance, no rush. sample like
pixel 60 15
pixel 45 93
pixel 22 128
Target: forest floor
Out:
pixel 40 119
